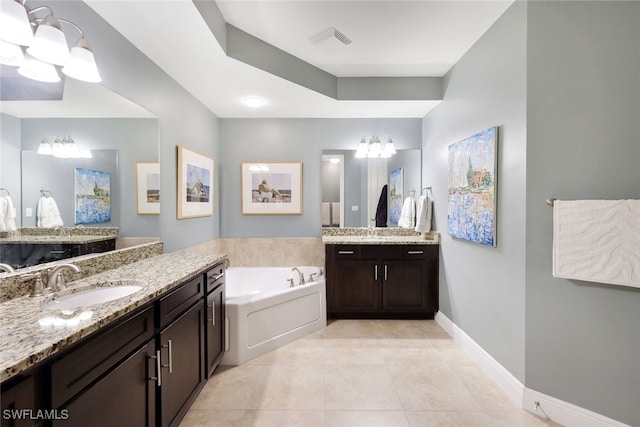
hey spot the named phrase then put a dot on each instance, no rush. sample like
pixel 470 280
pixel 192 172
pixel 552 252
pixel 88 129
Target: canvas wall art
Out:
pixel 472 188
pixel 93 196
pixel 396 191
pixel 195 184
pixel 271 188
pixel 148 188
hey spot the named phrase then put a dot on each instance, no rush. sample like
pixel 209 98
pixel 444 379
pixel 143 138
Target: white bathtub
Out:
pixel 264 313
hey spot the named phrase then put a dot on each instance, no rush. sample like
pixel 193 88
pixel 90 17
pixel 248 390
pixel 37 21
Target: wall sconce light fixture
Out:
pixel 372 147
pixel 63 147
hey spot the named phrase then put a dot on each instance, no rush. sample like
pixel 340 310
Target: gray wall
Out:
pixel 134 139
pixel 482 289
pixel 181 118
pixel 302 140
pixel 10 159
pixel 583 142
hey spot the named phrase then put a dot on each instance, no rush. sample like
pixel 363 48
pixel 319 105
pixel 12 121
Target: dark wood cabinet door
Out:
pixel 403 286
pixel 182 357
pixel 356 288
pixel 124 397
pixel 18 398
pixel 215 318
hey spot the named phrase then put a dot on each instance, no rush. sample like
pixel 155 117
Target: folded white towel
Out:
pixel 423 215
pixel 10 215
pixel 326 213
pixel 3 212
pixel 48 215
pixel 408 213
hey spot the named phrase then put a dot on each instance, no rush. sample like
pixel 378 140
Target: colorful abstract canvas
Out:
pixel 472 188
pixel 93 196
pixel 396 190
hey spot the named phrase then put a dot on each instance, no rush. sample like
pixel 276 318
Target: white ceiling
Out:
pixel 390 38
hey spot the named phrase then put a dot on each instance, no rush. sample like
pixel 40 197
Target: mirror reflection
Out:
pixel 352 187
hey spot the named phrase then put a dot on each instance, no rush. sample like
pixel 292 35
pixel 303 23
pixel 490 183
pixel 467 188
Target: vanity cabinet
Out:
pixel 181 346
pixel 18 396
pixel 382 281
pixel 215 317
pixel 20 255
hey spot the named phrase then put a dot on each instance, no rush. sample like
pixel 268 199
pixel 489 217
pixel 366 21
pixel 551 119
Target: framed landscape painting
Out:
pixel 271 188
pixel 93 196
pixel 195 184
pixel 148 188
pixel 472 188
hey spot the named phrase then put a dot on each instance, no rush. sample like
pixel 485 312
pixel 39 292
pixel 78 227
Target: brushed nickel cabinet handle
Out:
pixel 375 272
pixel 415 252
pixel 158 377
pixel 170 349
pixel 345 252
pixel 385 272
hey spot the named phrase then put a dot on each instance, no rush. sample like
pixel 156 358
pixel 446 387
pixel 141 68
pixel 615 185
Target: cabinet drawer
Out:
pixel 381 252
pixel 347 251
pixel 179 300
pixel 414 252
pixel 84 364
pixel 215 277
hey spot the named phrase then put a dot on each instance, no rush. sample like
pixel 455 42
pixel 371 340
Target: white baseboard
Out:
pixel 564 413
pixel 556 410
pixel 505 380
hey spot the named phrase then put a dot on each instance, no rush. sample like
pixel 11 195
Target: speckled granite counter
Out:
pixel 34 240
pixel 384 236
pixel 25 342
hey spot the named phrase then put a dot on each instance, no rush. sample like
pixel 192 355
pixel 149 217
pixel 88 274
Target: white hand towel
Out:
pixel 423 216
pixel 3 212
pixel 335 213
pixel 408 213
pixel 326 213
pixel 48 213
pixel 10 215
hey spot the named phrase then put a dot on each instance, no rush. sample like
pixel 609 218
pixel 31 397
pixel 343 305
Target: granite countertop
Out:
pixel 75 239
pixel 28 335
pixel 419 239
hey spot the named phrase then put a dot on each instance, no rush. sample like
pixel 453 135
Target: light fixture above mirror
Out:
pixel 63 147
pixel 371 147
pixel 48 47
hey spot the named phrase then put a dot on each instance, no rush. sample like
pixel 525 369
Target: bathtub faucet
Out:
pixel 300 275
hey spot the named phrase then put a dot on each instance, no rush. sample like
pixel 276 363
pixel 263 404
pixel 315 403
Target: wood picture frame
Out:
pixel 195 184
pixel 271 188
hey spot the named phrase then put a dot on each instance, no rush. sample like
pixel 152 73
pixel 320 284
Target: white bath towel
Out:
pixel 48 215
pixel 408 213
pixel 597 241
pixel 335 213
pixel 10 215
pixel 3 212
pixel 326 213
pixel 423 214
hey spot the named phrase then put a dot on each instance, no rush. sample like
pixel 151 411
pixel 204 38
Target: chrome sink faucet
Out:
pixel 6 267
pixel 300 275
pixel 55 279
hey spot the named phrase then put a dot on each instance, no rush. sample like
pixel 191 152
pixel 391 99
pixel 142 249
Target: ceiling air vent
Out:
pixel 330 39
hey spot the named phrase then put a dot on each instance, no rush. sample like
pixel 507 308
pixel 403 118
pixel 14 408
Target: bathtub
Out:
pixel 263 312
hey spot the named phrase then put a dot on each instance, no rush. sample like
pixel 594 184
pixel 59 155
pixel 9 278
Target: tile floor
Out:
pixel 354 373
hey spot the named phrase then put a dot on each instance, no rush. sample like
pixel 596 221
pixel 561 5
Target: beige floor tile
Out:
pixel 353 356
pixel 212 418
pixel 289 387
pixel 366 419
pixel 360 388
pixel 489 396
pixel 283 418
pixel 229 388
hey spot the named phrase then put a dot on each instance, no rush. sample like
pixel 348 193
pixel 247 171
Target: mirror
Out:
pixel 97 119
pixel 351 187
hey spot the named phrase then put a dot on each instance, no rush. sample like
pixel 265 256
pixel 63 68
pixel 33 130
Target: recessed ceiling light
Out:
pixel 253 101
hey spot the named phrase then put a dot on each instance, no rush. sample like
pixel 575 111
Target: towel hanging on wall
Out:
pixel 597 241
pixel 408 213
pixel 9 218
pixel 48 215
pixel 423 215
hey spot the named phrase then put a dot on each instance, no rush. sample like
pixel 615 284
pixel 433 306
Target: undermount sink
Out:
pixel 110 291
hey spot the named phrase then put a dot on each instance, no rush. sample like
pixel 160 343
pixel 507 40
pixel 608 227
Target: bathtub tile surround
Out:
pixel 272 252
pixel 405 373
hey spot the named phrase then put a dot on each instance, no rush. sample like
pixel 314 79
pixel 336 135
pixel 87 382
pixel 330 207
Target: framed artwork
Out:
pixel 271 188
pixel 472 188
pixel 396 190
pixel 148 188
pixel 93 196
pixel 195 184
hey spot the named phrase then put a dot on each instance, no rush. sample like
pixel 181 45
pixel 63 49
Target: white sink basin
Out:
pixel 99 295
